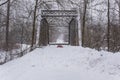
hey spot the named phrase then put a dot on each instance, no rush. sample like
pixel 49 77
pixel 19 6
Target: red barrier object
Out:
pixel 59 46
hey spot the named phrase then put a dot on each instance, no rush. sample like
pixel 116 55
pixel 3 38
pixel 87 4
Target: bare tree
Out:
pixel 84 22
pixel 108 28
pixel 7 25
pixel 34 22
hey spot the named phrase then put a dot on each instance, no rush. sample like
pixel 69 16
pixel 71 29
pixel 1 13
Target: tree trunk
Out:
pixel 108 29
pixel 84 21
pixel 7 25
pixel 34 22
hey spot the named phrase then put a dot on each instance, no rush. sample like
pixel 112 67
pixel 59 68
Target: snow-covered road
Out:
pixel 67 63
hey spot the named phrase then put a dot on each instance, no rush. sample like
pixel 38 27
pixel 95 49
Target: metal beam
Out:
pixel 59 13
pixel 58 16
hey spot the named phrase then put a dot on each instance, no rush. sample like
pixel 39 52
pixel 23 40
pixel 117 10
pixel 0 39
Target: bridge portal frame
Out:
pixel 73 26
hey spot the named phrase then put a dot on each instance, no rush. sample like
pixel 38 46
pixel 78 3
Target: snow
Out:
pixel 67 63
pixel 60 40
pixel 2 56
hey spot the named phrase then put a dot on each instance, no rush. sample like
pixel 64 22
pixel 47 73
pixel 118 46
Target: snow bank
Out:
pixel 68 63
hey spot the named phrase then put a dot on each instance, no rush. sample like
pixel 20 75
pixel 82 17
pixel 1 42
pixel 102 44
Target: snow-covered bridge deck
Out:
pixel 67 63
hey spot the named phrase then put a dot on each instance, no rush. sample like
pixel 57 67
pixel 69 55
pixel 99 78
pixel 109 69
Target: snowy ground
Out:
pixel 68 63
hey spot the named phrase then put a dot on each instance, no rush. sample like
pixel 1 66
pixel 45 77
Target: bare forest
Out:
pixel 98 21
